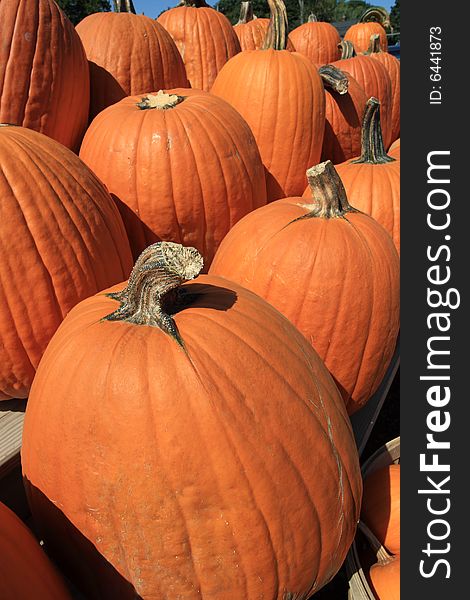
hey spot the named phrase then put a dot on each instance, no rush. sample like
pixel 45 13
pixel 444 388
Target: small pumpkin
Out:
pixel 212 455
pixel 372 180
pixel 345 102
pixel 280 95
pixel 385 579
pixel 44 82
pixel 316 40
pixel 25 570
pixel 381 506
pixel 62 240
pixel 330 269
pixel 128 54
pixel 182 165
pixel 394 149
pixel 204 37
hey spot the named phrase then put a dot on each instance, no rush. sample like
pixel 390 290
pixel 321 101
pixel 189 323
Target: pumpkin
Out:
pixel 280 95
pixel 345 103
pixel 44 81
pixel 359 35
pixel 392 64
pixel 252 31
pixel 394 149
pixel 182 165
pixel 204 37
pixel 318 41
pixel 212 456
pixel 25 571
pixel 129 54
pixel 331 270
pixel 381 506
pixel 385 579
pixel 372 181
pixel 62 240
pixel 374 79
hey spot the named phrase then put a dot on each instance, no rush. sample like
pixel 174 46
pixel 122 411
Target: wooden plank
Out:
pixel 11 431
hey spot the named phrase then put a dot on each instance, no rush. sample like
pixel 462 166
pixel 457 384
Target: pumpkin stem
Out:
pixel 276 35
pixel 329 198
pixel 334 79
pixel 374 44
pixel 124 6
pixel 160 101
pixel 151 291
pixel 246 13
pixel 194 3
pixel 347 49
pixel 383 557
pixel 312 18
pixel 376 14
pixel 372 145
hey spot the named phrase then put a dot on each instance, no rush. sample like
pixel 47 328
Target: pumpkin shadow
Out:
pixel 75 555
pixel 201 295
pixel 104 90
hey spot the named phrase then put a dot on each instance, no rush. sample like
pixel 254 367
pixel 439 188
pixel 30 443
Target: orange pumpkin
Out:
pixel 372 181
pixel 359 34
pixel 385 579
pixel 381 506
pixel 44 81
pixel 330 269
pixel 280 95
pixel 252 31
pixel 62 240
pixel 394 149
pixel 129 54
pixel 183 167
pixel 343 115
pixel 318 41
pixel 374 79
pixel 212 456
pixel 204 37
pixel 25 570
pixel 392 64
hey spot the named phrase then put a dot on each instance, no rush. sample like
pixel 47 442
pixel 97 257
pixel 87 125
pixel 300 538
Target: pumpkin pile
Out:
pixel 192 334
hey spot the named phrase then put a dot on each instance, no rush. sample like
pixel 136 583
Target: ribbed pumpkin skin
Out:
pixel 63 240
pixel 317 41
pixel 374 79
pixel 25 570
pixel 205 39
pixel 281 97
pixel 381 506
pixel 392 64
pixel 232 474
pixel 338 284
pixel 342 139
pixel 129 54
pixel 394 149
pixel 44 80
pixel 251 35
pixel 385 580
pixel 375 190
pixel 189 172
pixel 359 34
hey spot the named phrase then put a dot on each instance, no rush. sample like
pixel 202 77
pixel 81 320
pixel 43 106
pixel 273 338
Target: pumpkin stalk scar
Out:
pixel 153 287
pixel 160 101
pixel 372 145
pixel 329 200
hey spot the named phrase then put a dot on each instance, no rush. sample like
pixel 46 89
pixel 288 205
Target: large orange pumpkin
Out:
pixel 204 37
pixel 330 269
pixel 183 166
pixel 345 104
pixel 359 35
pixel 392 64
pixel 25 570
pixel 318 41
pixel 381 506
pixel 372 181
pixel 280 95
pixel 374 79
pixel 212 456
pixel 44 81
pixel 61 238
pixel 129 54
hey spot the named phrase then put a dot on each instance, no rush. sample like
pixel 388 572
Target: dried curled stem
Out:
pixel 246 13
pixel 372 145
pixel 124 6
pixel 334 79
pixel 276 35
pixel 347 49
pixel 151 291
